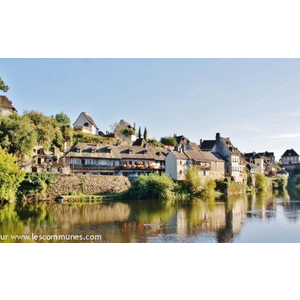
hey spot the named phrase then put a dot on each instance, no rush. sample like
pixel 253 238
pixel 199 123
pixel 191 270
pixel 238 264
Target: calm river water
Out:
pixel 257 218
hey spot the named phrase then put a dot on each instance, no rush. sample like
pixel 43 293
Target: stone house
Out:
pixel 256 162
pixel 6 107
pixel 109 159
pixel 123 125
pixel 224 149
pixel 290 157
pixel 87 124
pixel 209 166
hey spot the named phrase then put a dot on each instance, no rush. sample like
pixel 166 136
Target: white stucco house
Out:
pixel 87 124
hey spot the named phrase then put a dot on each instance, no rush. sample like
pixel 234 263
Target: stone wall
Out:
pixel 88 185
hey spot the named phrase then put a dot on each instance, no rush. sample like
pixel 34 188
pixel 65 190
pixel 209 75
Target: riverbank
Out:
pixel 92 187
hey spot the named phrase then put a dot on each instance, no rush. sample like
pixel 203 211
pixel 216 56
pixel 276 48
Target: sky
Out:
pixel 254 101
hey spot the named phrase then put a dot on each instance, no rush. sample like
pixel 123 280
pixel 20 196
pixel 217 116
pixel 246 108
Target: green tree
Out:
pixel 48 131
pixel 153 186
pixel 145 134
pixel 10 176
pixel 65 126
pixel 63 119
pixel 169 140
pixel 192 182
pixel 3 87
pixel 17 135
pixel 261 182
pixel 140 133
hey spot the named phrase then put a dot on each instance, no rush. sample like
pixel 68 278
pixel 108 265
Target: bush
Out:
pixel 192 182
pixel 280 182
pixel 35 185
pixel 10 176
pixel 261 182
pixel 153 186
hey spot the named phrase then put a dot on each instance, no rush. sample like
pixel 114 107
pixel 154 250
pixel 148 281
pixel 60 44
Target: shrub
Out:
pixel 10 176
pixel 280 182
pixel 261 182
pixel 153 186
pixel 192 182
pixel 35 185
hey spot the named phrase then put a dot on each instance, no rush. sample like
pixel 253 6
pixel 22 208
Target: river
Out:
pixel 260 218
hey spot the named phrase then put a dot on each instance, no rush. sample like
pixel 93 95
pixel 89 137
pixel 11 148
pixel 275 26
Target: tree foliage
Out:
pixel 3 86
pixel 169 140
pixel 153 186
pixel 10 176
pixel 261 182
pixel 192 182
pixel 17 135
pixel 48 130
pixel 280 182
pixel 145 134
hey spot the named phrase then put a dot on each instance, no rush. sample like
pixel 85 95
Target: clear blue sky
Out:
pixel 255 102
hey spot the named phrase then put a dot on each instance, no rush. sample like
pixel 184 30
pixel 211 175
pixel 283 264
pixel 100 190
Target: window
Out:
pixel 180 172
pixel 86 124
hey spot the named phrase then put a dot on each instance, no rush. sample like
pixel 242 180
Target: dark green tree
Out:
pixel 63 119
pixel 145 134
pixel 169 140
pixel 10 176
pixel 140 133
pixel 48 131
pixel 17 135
pixel 3 87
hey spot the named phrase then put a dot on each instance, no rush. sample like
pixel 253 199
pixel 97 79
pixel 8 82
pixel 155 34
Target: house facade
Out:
pixel 221 147
pixel 123 126
pixel 6 107
pixel 208 165
pixel 87 158
pixel 290 157
pixel 87 124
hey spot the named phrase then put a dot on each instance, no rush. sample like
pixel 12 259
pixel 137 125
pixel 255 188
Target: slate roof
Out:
pixel 290 152
pixel 194 146
pixel 207 145
pixel 90 119
pixel 126 123
pixel 201 156
pixel 5 103
pixel 179 155
pixel 140 142
pixel 107 151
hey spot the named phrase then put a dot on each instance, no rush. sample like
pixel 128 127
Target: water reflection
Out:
pixel 135 221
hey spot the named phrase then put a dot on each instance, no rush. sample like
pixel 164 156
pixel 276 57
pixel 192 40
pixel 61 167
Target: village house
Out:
pixel 263 162
pixel 6 107
pixel 87 158
pixel 87 124
pixel 125 131
pixel 289 157
pixel 178 161
pixel 43 162
pixel 235 167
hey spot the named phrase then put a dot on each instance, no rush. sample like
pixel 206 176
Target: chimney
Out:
pixel 217 136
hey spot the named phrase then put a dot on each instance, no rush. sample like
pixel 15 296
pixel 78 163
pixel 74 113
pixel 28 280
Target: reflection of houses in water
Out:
pixel 262 208
pixel 292 210
pixel 223 218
